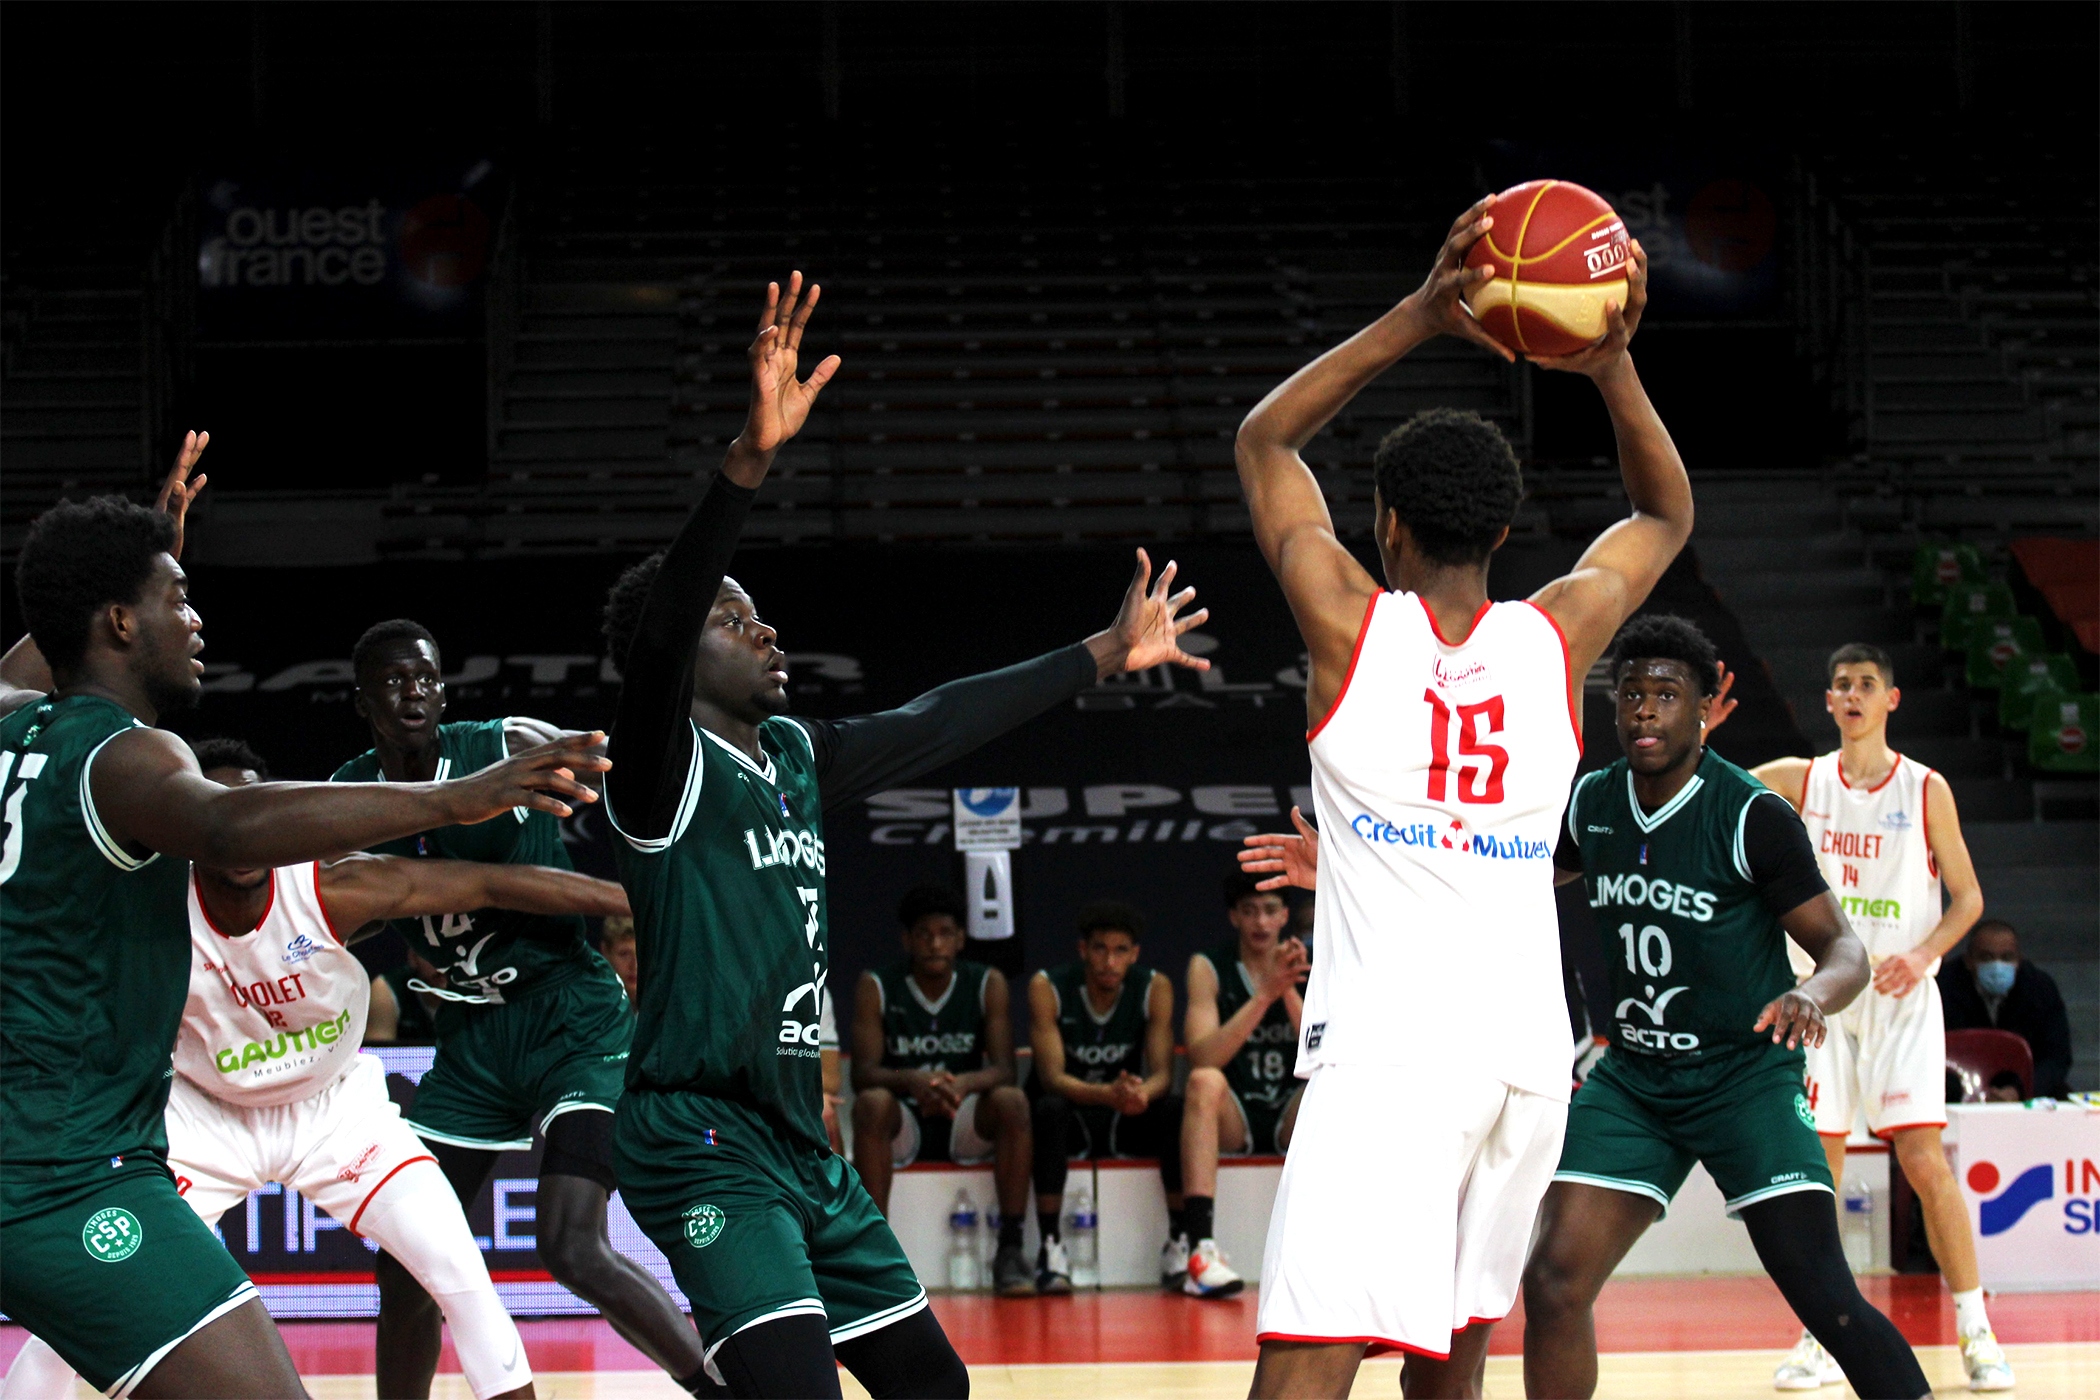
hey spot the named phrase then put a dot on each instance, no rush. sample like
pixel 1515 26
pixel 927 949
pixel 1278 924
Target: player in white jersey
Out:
pixel 269 1085
pixel 1889 840
pixel 1444 730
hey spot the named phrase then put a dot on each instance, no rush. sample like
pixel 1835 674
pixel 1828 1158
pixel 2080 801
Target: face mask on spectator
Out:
pixel 1996 978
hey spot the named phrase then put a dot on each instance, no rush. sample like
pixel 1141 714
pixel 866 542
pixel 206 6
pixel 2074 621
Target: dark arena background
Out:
pixel 462 292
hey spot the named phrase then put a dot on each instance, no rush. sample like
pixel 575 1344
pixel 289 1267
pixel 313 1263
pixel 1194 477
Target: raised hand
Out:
pixel 539 778
pixel 1608 351
pixel 1440 300
pixel 178 490
pixel 1285 859
pixel 1795 1019
pixel 780 403
pixel 1722 707
pixel 1148 628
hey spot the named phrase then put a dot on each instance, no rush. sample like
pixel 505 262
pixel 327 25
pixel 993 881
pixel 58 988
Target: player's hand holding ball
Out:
pixel 1564 282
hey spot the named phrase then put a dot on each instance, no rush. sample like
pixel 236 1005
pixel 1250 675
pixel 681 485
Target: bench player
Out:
pixel 1889 839
pixel 269 1086
pixel 720 1141
pixel 1241 1030
pixel 1443 731
pixel 533 1027
pixel 1102 1028
pixel 933 1071
pixel 102 812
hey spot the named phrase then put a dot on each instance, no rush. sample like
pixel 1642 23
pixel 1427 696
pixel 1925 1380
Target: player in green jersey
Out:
pixel 1241 1029
pixel 102 811
pixel 1697 873
pixel 933 1071
pixel 533 1027
pixel 1102 1029
pixel 720 1140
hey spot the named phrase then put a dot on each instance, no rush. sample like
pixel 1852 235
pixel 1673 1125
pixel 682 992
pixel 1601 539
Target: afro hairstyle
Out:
pixel 1453 479
pixel 1667 637
pixel 78 559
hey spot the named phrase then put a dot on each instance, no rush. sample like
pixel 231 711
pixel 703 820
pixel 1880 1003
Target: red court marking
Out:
pixel 1638 1315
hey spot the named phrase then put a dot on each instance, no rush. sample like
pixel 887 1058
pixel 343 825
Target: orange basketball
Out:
pixel 1560 259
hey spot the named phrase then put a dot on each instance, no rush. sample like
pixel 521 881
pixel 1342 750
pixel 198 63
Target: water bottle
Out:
pixel 1856 1225
pixel 1081 1245
pixel 964 1270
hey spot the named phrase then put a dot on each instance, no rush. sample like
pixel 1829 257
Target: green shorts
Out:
pixel 111 1267
pixel 1638 1123
pixel 502 1071
pixel 1264 1124
pixel 757 1225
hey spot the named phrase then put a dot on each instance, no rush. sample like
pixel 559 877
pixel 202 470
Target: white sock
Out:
pixel 1969 1316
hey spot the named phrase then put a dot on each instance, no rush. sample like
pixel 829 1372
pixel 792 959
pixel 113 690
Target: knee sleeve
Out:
pixel 1052 1122
pixel 1797 1240
pixel 417 1220
pixel 787 1357
pixel 910 1357
pixel 579 1143
pixel 39 1373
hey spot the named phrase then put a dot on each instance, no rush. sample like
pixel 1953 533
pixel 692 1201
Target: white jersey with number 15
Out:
pixel 1439 777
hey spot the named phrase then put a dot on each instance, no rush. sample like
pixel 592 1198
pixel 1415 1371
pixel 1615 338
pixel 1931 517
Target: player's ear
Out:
pixel 1895 696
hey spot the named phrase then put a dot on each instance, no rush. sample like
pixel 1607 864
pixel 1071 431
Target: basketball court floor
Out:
pixel 1700 1338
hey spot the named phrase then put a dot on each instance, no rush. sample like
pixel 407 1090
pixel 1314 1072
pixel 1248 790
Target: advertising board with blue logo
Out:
pixel 2031 1180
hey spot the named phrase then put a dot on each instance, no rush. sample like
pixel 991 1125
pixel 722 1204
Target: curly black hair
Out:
pixel 1110 916
pixel 623 606
pixel 229 753
pixel 1453 479
pixel 381 635
pixel 79 558
pixel 1667 637
pixel 1240 885
pixel 924 901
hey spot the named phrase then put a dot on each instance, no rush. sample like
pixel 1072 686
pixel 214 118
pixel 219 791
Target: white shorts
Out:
pixel 336 1149
pixel 966 1148
pixel 1887 1055
pixel 1406 1208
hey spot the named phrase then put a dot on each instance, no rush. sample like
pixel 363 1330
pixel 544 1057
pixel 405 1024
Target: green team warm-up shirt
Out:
pixel 947 1034
pixel 1264 1072
pixel 1098 1048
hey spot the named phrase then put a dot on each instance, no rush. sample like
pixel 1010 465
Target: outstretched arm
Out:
pixel 1325 586
pixel 365 889
pixel 150 796
pixel 1283 859
pixel 1616 573
pixel 651 728
pixel 868 753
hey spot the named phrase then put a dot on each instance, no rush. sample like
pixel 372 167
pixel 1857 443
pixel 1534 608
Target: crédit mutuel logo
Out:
pixel 2032 1186
pixel 1454 836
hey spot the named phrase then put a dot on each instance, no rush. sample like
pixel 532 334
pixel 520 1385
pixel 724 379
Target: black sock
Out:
pixel 1009 1231
pixel 1198 1213
pixel 1046 1221
pixel 1178 1223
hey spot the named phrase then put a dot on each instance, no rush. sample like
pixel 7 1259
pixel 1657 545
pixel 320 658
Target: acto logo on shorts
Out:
pixel 703 1225
pixel 112 1236
pixel 1999 1213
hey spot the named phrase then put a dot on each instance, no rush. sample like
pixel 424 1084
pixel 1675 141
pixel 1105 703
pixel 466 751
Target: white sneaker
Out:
pixel 1174 1261
pixel 1807 1367
pixel 1053 1271
pixel 1984 1360
pixel 1209 1276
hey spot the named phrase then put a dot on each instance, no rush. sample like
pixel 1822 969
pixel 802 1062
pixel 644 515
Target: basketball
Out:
pixel 1560 255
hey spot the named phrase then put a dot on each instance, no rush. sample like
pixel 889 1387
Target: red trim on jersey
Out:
pixel 1847 1133
pixel 1894 1128
pixel 1375 1344
pixel 398 1167
pixel 213 924
pixel 1350 674
pixel 322 904
pixel 1469 626
pixel 1567 663
pixel 1874 789
pixel 1932 866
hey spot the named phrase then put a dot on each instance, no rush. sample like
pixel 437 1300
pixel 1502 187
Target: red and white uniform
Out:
pixel 1885 1056
pixel 269 1087
pixel 1435 1031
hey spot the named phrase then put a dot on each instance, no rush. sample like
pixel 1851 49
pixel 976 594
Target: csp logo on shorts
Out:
pixel 703 1224
pixel 112 1235
pixel 1803 1111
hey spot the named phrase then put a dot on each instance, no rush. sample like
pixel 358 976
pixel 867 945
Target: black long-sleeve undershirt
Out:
pixel 652 738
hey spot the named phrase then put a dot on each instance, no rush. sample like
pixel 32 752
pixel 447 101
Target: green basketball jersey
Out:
pixel 1265 1070
pixel 490 955
pixel 1098 1048
pixel 95 944
pixel 1693 951
pixel 731 932
pixel 946 1034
